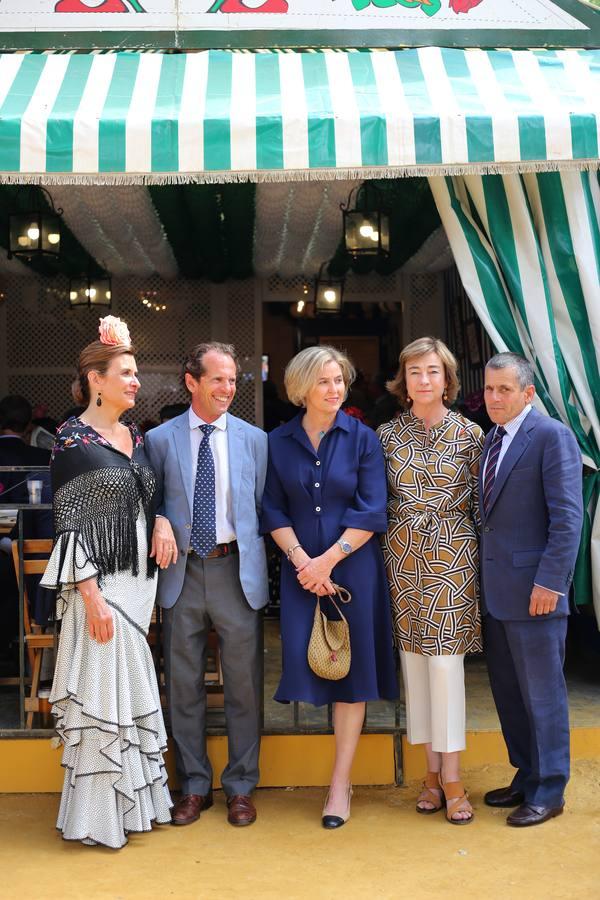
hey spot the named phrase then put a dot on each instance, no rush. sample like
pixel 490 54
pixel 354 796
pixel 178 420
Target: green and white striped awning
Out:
pixel 226 116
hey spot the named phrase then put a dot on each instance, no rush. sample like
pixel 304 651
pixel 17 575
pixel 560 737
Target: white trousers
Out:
pixel 434 691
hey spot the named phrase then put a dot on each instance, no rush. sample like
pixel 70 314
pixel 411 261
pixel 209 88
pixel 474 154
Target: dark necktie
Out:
pixel 204 524
pixel 491 466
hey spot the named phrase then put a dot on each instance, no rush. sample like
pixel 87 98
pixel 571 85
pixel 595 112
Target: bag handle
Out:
pixel 344 596
pixel 343 593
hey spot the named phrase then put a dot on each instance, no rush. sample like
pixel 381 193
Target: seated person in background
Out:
pixel 384 406
pixel 15 427
pixel 43 429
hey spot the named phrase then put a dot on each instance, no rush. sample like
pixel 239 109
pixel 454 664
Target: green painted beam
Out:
pixel 210 228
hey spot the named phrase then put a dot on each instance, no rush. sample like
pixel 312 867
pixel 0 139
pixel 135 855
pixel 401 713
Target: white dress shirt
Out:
pixel 220 451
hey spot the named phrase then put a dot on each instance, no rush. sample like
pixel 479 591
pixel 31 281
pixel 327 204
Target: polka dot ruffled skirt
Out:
pixel 107 707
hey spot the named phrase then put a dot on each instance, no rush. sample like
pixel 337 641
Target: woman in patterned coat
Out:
pixel 431 553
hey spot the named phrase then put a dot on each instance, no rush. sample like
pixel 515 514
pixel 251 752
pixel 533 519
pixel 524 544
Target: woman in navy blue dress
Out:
pixel 324 504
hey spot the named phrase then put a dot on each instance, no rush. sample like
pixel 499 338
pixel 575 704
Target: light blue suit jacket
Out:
pixel 168 448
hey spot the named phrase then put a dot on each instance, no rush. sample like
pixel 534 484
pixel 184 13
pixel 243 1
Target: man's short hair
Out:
pixel 194 364
pixel 524 369
pixel 15 413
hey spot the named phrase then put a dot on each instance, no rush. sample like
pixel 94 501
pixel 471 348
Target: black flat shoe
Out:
pixel 504 797
pixel 527 814
pixel 331 822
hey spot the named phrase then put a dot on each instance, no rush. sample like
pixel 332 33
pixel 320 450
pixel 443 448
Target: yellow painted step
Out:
pixel 33 765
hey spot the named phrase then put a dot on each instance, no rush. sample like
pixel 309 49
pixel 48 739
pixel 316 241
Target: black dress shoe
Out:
pixel 528 814
pixel 504 797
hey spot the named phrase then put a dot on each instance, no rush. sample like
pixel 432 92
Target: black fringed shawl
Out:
pixel 97 495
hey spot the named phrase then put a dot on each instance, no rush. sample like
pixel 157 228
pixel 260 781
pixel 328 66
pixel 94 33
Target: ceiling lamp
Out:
pixel 366 224
pixel 90 290
pixel 35 233
pixel 329 292
pixel 151 300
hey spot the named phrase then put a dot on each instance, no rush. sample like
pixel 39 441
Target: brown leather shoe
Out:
pixel 189 806
pixel 241 810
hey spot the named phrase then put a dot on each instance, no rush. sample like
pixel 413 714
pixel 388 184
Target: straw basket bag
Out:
pixel 329 653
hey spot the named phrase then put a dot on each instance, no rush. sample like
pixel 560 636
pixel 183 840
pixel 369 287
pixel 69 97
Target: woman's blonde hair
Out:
pixel 421 347
pixel 303 370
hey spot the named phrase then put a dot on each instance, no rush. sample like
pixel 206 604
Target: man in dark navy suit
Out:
pixel 531 513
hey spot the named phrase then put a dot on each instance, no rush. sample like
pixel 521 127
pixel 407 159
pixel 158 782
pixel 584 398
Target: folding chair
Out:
pixel 36 640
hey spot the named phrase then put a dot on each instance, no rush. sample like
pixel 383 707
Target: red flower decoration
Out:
pixel 463 6
pixel 238 6
pixel 355 412
pixel 78 6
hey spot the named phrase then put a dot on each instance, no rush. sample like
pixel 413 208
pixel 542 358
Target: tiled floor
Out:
pixel 583 683
pixel 584 696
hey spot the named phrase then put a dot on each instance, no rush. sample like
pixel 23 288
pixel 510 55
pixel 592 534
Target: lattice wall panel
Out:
pixel 357 286
pixel 50 390
pixel 44 337
pixel 164 338
pixel 424 307
pixel 241 326
pixel 42 331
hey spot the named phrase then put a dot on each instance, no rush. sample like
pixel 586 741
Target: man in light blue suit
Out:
pixel 211 470
pixel 531 513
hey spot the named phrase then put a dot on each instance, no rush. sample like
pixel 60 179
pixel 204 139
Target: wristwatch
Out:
pixel 345 546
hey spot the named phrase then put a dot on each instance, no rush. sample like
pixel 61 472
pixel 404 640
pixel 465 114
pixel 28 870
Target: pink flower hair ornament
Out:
pixel 113 331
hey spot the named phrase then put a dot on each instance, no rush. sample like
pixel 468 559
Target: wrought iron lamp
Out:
pixel 90 290
pixel 366 223
pixel 329 292
pixel 35 232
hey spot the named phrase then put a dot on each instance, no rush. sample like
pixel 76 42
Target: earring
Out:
pixel 445 397
pixel 99 400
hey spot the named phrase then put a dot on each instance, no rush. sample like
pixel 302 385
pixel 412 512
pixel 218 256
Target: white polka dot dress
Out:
pixel 106 704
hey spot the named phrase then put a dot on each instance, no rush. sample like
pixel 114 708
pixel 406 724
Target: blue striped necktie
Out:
pixel 204 524
pixel 491 466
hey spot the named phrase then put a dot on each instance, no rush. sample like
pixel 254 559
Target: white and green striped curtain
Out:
pixel 528 251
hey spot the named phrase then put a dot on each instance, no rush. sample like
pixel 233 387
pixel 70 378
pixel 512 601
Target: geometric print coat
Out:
pixel 431 545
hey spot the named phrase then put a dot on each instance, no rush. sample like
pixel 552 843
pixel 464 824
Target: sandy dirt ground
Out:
pixel 385 851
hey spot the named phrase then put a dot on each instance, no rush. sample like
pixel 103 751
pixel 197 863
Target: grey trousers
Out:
pixel 212 593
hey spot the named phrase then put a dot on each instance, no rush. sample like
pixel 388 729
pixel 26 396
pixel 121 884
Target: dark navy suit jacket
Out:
pixel 532 529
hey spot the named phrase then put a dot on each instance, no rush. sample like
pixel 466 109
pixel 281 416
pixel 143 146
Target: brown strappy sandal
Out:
pixel 427 795
pixel 454 791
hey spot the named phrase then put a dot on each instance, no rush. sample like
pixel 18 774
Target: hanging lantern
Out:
pixel 366 224
pixel 329 292
pixel 90 290
pixel 35 232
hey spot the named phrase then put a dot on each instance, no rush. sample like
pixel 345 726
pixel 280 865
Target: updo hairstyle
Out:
pixel 96 357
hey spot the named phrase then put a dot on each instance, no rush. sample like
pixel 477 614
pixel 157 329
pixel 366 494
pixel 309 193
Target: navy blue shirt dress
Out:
pixel 320 494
